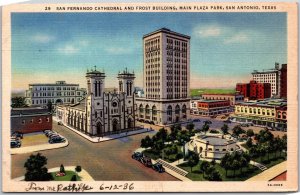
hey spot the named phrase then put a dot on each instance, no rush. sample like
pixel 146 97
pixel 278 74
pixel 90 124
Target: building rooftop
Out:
pixel 215 140
pixel 225 94
pixel 211 101
pixel 269 102
pixel 168 31
pixel 29 111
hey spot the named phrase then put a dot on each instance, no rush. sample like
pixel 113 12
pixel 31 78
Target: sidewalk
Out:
pixel 83 174
pixel 95 139
pixel 29 149
pixel 270 173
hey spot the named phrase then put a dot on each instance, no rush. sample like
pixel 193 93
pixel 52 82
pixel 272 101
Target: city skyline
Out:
pixel 47 47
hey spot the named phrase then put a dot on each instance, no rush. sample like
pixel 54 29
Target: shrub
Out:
pixel 74 178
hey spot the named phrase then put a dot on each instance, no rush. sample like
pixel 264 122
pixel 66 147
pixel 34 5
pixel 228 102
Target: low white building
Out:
pixel 211 147
pixel 39 94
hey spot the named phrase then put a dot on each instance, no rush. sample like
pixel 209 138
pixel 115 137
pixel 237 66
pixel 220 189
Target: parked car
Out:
pixel 15 144
pixel 196 120
pixel 17 134
pixel 227 121
pixel 59 123
pixel 57 140
pixel 137 156
pixel 50 133
pixel 158 167
pixel 47 131
pixel 146 161
pixel 244 125
pixel 54 135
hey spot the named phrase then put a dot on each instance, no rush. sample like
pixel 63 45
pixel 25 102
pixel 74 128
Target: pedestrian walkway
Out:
pixel 271 173
pixel 258 165
pixel 173 170
pixel 83 174
pixel 41 147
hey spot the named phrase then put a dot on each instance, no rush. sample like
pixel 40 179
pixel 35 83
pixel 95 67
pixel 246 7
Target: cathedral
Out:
pixel 102 113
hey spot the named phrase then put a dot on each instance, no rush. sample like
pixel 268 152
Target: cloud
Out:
pixel 117 50
pixel 212 30
pixel 240 37
pixel 68 49
pixel 43 38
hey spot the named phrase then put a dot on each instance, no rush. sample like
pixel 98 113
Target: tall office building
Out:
pixel 277 77
pixel 166 77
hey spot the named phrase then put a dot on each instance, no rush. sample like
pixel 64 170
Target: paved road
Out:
pixel 108 161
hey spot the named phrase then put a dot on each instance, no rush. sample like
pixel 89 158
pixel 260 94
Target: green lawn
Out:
pixel 198 92
pixel 67 177
pixel 196 175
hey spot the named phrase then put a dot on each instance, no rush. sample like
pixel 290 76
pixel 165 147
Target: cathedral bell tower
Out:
pixel 95 83
pixel 126 82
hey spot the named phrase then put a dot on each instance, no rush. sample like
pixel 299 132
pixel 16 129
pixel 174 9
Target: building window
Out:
pixel 48 120
pixel 23 122
pixel 40 120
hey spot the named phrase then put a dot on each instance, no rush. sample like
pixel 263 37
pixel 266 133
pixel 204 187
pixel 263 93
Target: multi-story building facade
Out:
pixel 268 112
pixel 233 98
pixel 277 77
pixel 57 93
pixel 102 113
pixel 166 78
pixel 29 120
pixel 210 107
pixel 254 90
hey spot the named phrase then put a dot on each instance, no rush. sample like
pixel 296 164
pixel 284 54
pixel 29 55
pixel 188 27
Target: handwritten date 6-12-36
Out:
pixel 125 186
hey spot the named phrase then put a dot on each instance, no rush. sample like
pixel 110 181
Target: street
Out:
pixel 110 160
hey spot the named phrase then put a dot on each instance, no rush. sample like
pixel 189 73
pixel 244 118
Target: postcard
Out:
pixel 150 97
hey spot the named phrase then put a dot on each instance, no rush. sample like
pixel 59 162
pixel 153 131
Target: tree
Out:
pixel 193 160
pixel 205 128
pixel 78 169
pixel 262 151
pixel 235 165
pixel 36 170
pixel 62 169
pixel 212 174
pixel 74 178
pixel 162 134
pixel 264 136
pixel 224 129
pixel 18 102
pixel 146 142
pixel 204 165
pixel 237 130
pixel 190 127
pixel 250 133
pixel 249 143
pixel 49 106
pixel 225 162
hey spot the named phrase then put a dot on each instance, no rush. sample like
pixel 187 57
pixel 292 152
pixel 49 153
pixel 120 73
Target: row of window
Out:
pixel 54 88
pixel 40 120
pixel 255 110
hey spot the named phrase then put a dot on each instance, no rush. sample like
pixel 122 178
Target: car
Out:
pixel 47 130
pixel 54 135
pixel 17 134
pixel 137 156
pixel 196 120
pixel 50 133
pixel 59 123
pixel 146 161
pixel 15 144
pixel 158 167
pixel 227 121
pixel 57 140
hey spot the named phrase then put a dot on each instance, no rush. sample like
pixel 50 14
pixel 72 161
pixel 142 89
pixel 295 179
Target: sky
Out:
pixel 224 48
